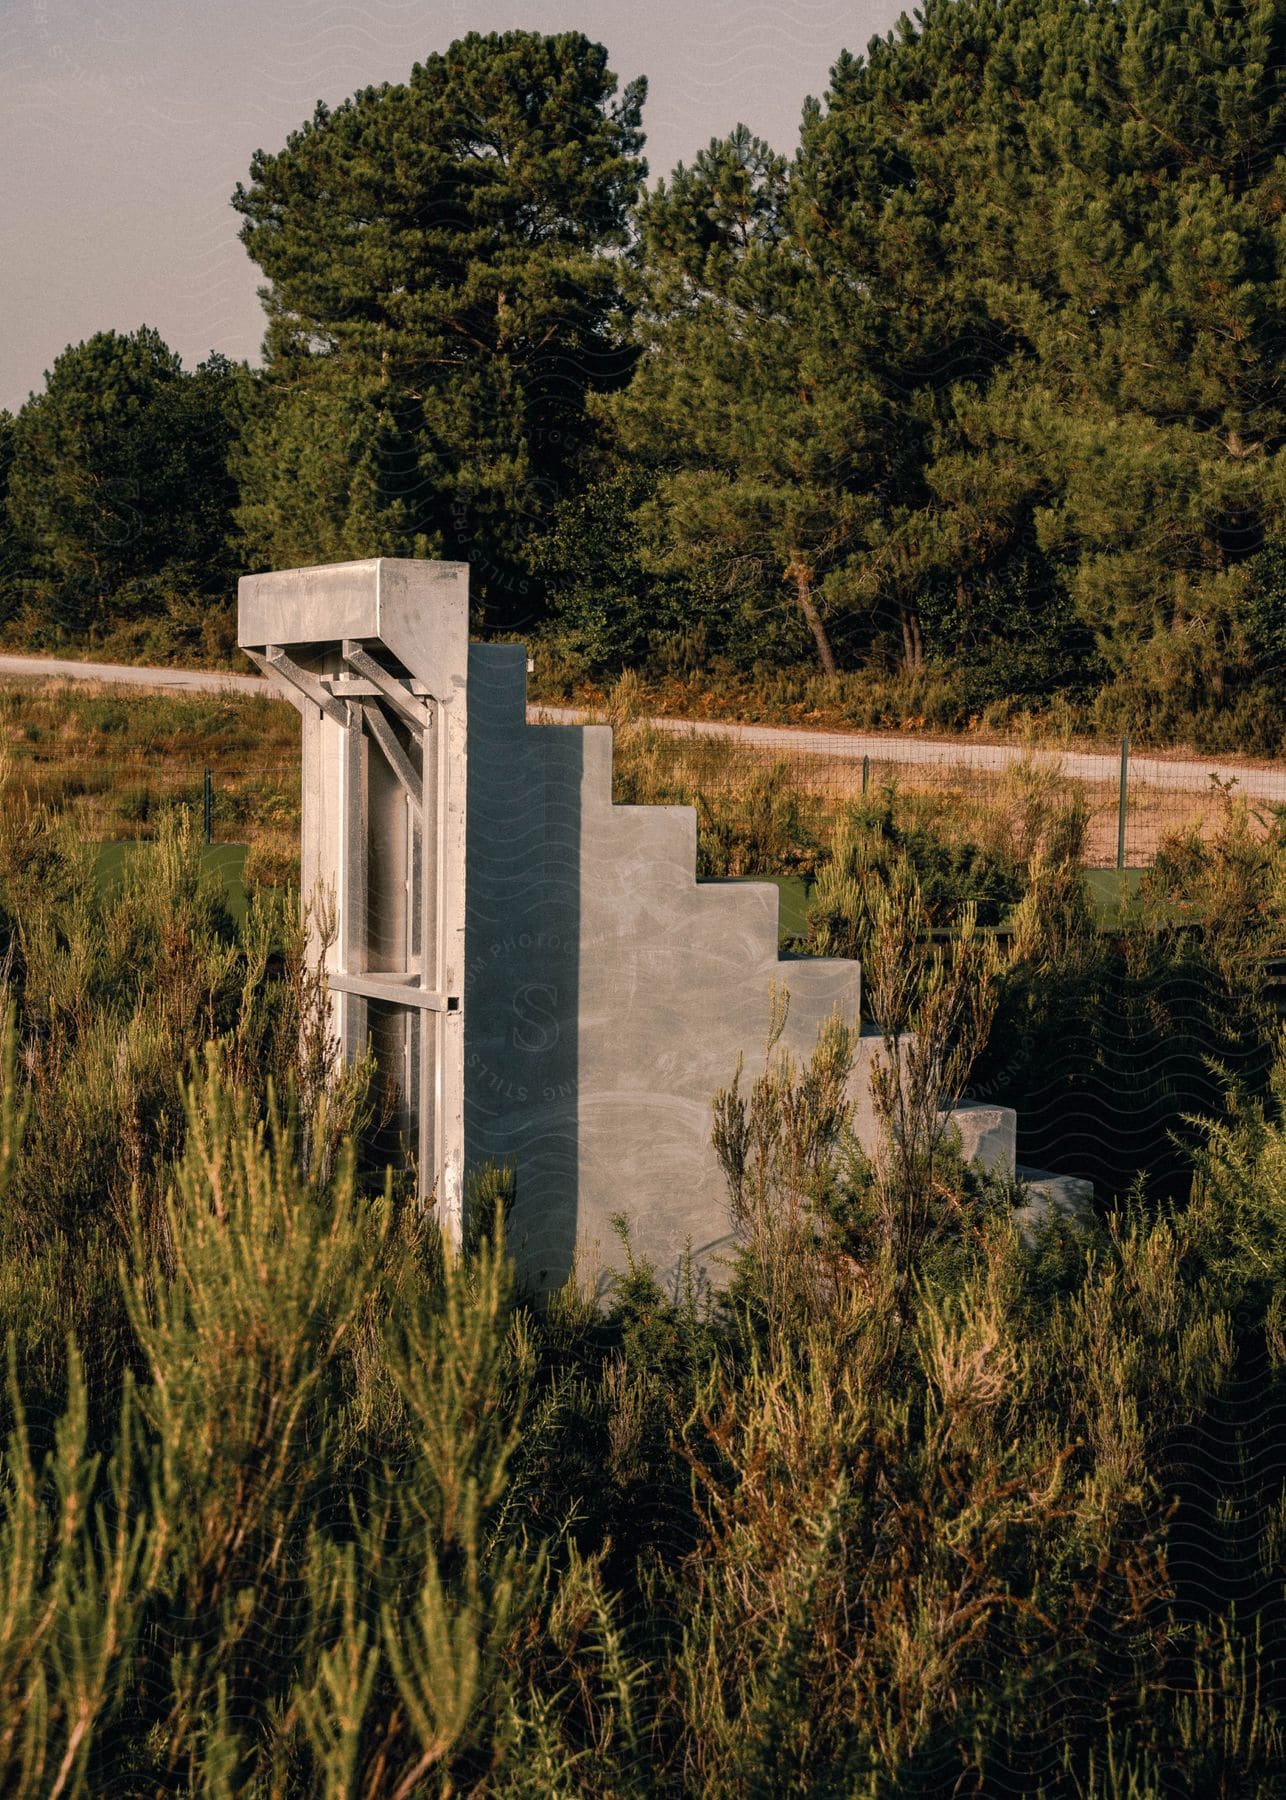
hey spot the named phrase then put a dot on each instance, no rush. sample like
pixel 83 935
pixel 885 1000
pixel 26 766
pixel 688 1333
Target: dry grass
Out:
pixel 958 801
pixel 112 761
pixel 933 702
pixel 292 1506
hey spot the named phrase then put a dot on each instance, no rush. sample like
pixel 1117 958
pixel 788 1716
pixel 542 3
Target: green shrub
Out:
pixel 291 1502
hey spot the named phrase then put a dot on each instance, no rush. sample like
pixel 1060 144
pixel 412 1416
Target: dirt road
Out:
pixel 188 681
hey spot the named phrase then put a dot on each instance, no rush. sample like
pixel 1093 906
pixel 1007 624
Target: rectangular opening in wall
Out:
pixel 394 1038
pixel 392 826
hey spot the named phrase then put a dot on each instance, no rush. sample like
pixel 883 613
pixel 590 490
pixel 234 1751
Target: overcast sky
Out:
pixel 127 124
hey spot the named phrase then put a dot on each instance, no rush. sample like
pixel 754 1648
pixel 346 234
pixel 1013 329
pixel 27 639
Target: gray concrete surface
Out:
pixel 601 994
pixel 374 655
pixel 608 995
pixel 988 1135
pixel 1066 1198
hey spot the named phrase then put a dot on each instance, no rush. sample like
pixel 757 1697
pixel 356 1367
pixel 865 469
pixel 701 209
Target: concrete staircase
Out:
pixel 609 995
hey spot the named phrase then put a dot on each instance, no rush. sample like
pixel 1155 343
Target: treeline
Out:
pixel 978 396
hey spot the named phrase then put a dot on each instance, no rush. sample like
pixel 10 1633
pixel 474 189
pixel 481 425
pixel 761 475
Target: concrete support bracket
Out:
pixel 361 662
pixel 401 989
pixel 279 664
pixel 394 755
pixel 371 653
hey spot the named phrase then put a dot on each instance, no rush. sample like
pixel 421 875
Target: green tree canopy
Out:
pixel 1083 206
pixel 997 357
pixel 732 405
pixel 889 163
pixel 441 291
pixel 804 329
pixel 118 486
pixel 13 557
pixel 1144 266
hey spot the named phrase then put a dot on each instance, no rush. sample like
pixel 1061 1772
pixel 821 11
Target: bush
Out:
pixel 293 1503
pixel 1111 1042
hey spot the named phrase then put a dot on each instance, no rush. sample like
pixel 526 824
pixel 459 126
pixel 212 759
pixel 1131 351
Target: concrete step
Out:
pixel 988 1135
pixel 1066 1197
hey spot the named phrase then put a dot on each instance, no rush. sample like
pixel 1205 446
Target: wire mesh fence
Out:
pixel 110 797
pixel 1133 800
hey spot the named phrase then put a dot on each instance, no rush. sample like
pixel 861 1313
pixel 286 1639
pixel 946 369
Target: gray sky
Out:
pixel 127 124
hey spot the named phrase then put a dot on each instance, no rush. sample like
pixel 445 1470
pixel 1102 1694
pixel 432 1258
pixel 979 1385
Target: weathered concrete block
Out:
pixel 1066 1197
pixel 544 980
pixel 375 657
pixel 988 1135
pixel 608 994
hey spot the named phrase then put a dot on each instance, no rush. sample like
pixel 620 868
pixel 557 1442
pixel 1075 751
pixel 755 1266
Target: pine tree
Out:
pixel 807 326
pixel 734 408
pixel 1000 348
pixel 891 159
pixel 441 293
pixel 14 559
pixel 1157 328
pixel 119 487
pixel 1088 200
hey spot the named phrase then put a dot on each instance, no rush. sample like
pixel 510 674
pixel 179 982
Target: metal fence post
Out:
pixel 207 803
pixel 1121 804
pixel 866 774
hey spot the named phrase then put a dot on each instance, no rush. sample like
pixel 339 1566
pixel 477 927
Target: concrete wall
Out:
pixel 375 656
pixel 542 976
pixel 607 993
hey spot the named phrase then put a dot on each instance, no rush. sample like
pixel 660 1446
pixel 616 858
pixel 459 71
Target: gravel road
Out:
pixel 187 681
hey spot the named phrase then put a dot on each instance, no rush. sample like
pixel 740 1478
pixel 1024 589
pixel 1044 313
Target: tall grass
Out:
pixel 971 834
pixel 113 763
pixel 293 1504
pixel 685 681
pixel 1111 1042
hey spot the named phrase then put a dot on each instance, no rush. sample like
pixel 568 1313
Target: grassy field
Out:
pixel 292 1505
pixel 111 761
pixel 956 798
pixel 759 811
pixel 109 764
pixel 932 702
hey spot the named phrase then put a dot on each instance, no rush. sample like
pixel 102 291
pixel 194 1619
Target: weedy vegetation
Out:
pixel 113 763
pixel 292 1503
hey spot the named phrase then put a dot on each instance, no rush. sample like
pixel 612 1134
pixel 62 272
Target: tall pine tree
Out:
pixel 119 490
pixel 805 328
pixel 1156 326
pixel 1091 201
pixel 735 408
pixel 999 355
pixel 442 290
